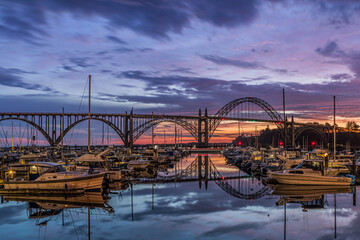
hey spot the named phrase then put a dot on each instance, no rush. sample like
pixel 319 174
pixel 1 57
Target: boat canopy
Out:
pixel 93 157
pixel 43 164
pixel 90 158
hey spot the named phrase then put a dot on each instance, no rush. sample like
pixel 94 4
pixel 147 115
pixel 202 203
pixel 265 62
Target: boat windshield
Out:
pixel 55 169
pixel 91 164
pixel 314 165
pixel 299 166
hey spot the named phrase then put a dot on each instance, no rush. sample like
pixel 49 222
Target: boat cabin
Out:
pixel 38 168
pixel 308 166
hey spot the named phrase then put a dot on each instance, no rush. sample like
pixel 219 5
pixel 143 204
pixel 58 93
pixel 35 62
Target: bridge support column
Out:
pixel 199 129
pixel 126 131
pixel 206 130
pixel 203 130
pixel 129 130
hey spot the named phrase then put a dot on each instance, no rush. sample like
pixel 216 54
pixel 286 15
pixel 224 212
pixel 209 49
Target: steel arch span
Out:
pixel 317 130
pixel 40 129
pixel 186 124
pixel 225 110
pixel 115 128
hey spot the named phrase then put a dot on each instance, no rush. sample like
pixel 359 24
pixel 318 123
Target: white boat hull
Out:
pixel 299 179
pixel 89 182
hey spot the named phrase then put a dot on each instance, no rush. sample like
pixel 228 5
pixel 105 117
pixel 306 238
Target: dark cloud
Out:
pixel 236 63
pixel 116 40
pixel 351 58
pixel 152 18
pixel 328 50
pixel 145 49
pixel 10 78
pixel 243 64
pixel 338 12
pixel 228 13
pixel 68 68
pixel 81 61
pixel 124 50
pixel 156 18
pixel 182 70
pixel 341 77
pixel 22 22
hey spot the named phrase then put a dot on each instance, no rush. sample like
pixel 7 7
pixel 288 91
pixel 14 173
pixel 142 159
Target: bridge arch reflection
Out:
pixel 203 170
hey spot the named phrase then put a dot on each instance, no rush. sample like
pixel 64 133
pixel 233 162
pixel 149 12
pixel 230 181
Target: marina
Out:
pixel 179 120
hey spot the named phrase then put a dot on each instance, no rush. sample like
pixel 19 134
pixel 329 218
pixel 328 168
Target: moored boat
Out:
pixel 46 176
pixel 309 172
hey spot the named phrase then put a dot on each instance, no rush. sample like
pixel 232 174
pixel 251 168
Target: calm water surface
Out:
pixel 242 209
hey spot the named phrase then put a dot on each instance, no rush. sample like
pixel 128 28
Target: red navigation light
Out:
pixel 239 143
pixel 222 119
pixel 279 122
pixel 281 143
pixel 313 143
pixel 222 178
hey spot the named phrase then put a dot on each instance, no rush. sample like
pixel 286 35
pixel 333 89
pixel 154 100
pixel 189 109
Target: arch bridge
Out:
pixel 130 127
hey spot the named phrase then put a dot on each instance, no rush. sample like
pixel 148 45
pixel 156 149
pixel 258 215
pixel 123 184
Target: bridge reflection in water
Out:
pixel 203 170
pixel 95 207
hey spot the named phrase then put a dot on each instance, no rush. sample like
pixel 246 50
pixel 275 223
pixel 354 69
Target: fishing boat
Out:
pixel 51 177
pixel 309 172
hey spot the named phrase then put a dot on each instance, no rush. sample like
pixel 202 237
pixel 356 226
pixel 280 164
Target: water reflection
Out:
pixel 187 210
pixel 43 209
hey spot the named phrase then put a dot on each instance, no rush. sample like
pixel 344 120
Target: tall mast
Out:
pixel 284 121
pixel 152 131
pixel 12 136
pixel 20 136
pixel 62 135
pixel 89 113
pixel 334 131
pixel 175 136
pixel 164 139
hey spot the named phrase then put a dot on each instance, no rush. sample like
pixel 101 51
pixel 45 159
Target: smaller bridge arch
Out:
pixel 113 126
pixel 40 129
pixel 319 131
pixel 142 128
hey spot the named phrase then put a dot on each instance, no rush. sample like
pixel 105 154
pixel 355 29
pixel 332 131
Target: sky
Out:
pixel 175 57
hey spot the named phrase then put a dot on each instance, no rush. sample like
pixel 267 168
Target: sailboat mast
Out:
pixel 12 136
pixel 62 135
pixel 152 130
pixel 334 131
pixel 89 113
